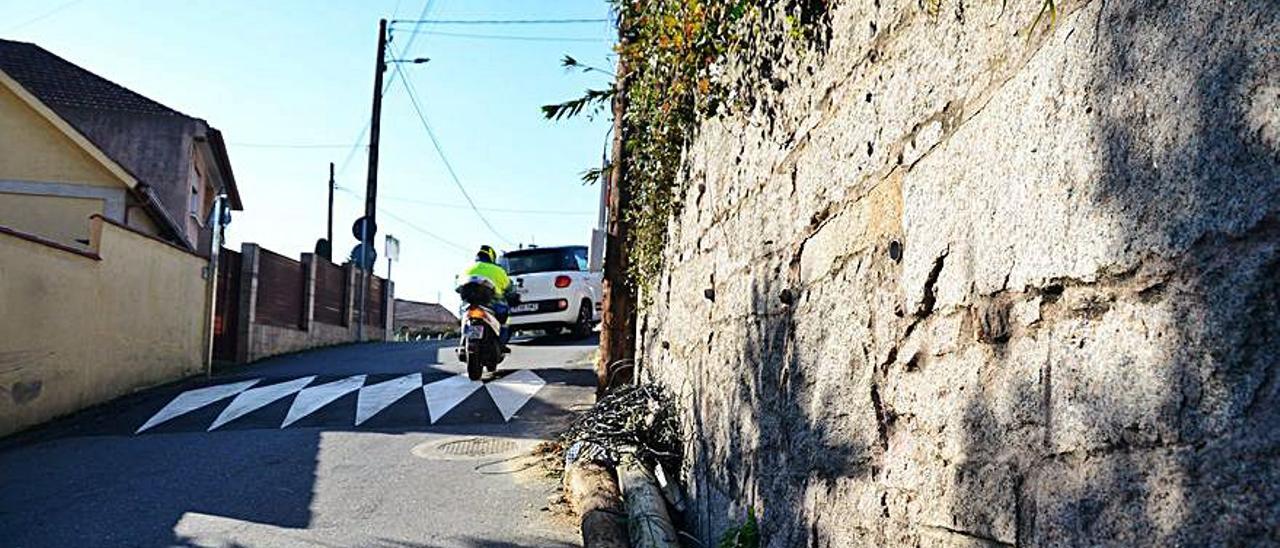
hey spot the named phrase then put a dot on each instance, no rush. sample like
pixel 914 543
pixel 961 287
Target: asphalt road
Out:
pixel 363 445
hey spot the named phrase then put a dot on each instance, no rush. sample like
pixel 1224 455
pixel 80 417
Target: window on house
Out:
pixel 193 207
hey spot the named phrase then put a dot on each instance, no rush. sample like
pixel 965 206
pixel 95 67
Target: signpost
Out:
pixel 219 218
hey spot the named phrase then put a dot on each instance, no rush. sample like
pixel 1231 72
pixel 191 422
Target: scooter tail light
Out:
pixel 475 313
pixel 563 281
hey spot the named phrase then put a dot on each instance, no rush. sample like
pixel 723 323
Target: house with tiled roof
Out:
pixel 419 317
pixel 74 144
pixel 104 272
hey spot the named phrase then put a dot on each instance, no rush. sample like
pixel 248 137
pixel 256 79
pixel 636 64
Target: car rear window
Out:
pixel 545 260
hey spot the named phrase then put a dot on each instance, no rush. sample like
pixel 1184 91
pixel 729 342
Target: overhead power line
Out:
pixel 513 38
pixel 450 243
pixel 422 15
pixel 489 209
pixel 422 117
pixel 291 145
pixel 499 21
pixel 351 154
pixel 43 16
pixel 450 205
pixel 454 245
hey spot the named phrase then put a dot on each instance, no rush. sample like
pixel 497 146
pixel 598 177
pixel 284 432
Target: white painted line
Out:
pixel 446 394
pixel 257 398
pixel 513 391
pixel 375 398
pixel 191 400
pixel 313 398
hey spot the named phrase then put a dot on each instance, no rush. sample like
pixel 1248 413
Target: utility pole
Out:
pixel 371 186
pixel 375 125
pixel 618 319
pixel 329 233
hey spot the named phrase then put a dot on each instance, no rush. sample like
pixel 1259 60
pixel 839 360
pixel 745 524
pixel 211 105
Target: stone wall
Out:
pixel 973 288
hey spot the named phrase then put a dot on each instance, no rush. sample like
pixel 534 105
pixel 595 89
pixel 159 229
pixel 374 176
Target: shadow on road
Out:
pixel 88 480
pixel 473 542
pixel 558 340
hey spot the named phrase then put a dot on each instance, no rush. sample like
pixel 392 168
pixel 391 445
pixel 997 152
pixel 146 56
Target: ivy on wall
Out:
pixel 675 52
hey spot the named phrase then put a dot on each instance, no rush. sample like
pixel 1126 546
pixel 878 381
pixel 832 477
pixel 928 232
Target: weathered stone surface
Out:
pixel 979 289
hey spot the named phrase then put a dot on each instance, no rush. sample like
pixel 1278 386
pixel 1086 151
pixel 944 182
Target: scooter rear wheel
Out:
pixel 475 369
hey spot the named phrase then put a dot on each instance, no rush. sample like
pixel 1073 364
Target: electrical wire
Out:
pixel 455 245
pixel 422 117
pixel 289 145
pixel 426 7
pixel 422 14
pixel 43 16
pixel 489 209
pixel 351 154
pixel 514 38
pixel 499 21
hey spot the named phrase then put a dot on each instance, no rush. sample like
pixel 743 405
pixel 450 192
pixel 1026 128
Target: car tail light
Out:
pixel 563 281
pixel 562 304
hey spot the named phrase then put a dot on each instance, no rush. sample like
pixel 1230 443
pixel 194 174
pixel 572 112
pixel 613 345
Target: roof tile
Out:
pixel 58 82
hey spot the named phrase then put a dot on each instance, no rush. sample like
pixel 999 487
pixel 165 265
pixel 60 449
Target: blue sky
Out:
pixel 299 73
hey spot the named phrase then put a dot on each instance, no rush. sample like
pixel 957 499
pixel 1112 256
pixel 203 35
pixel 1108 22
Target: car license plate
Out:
pixel 528 307
pixel 475 331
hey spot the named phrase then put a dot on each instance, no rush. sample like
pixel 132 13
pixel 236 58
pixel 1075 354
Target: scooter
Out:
pixel 480 345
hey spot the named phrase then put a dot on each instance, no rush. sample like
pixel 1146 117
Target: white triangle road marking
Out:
pixel 513 391
pixel 445 394
pixel 311 399
pixel 257 398
pixel 376 397
pixel 191 400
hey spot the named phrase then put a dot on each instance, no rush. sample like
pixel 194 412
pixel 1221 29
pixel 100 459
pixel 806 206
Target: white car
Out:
pixel 558 291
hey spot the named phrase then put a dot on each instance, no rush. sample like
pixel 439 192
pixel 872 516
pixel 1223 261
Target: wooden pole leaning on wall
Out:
pixel 618 317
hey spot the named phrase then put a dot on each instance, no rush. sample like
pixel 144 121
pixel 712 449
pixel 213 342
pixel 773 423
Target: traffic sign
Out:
pixel 365 262
pixel 359 226
pixel 393 248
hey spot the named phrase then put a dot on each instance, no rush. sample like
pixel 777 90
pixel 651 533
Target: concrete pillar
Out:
pixel 248 302
pixel 349 299
pixel 308 291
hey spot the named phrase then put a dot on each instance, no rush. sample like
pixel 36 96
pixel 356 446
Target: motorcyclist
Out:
pixel 486 267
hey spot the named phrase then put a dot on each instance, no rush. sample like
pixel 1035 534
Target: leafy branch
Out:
pixel 594 174
pixel 593 101
pixel 570 63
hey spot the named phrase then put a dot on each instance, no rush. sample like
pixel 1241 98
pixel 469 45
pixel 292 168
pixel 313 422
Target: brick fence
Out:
pixel 269 304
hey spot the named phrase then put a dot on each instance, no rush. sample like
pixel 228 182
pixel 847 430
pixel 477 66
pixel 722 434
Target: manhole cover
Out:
pixel 468 447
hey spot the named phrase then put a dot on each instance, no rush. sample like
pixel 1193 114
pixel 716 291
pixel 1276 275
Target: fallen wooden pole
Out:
pixel 647 518
pixel 593 494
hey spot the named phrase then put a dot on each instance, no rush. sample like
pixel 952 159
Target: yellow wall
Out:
pixel 59 218
pixel 76 331
pixel 32 149
pixel 141 221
